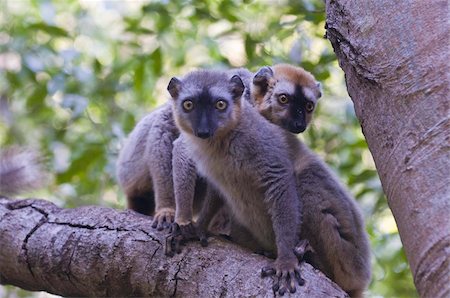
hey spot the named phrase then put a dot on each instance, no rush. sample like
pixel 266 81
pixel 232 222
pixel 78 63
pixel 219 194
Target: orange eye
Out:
pixel 221 105
pixel 309 107
pixel 283 99
pixel 188 105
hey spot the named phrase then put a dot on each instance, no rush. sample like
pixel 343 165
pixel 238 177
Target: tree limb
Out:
pixel 98 251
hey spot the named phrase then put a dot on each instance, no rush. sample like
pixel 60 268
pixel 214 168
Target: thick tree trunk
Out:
pixel 395 55
pixel 97 251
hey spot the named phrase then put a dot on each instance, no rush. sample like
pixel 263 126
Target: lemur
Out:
pixel 333 225
pixel 332 221
pixel 247 159
pixel 284 115
pixel 144 166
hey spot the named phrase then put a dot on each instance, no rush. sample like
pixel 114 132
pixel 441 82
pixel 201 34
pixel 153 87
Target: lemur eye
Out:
pixel 188 105
pixel 283 99
pixel 309 107
pixel 221 105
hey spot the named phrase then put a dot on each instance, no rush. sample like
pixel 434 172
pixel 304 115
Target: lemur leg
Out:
pixel 137 186
pixel 180 234
pixel 286 221
pixel 160 167
pixel 211 206
pixel 184 182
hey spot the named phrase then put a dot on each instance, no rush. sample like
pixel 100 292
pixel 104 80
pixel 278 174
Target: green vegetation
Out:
pixel 77 75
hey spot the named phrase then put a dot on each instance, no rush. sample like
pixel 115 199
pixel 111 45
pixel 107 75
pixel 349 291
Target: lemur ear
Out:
pixel 237 86
pixel 319 90
pixel 262 79
pixel 319 87
pixel 262 75
pixel 174 87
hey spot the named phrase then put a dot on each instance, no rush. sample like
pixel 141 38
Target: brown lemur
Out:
pixel 246 158
pixel 21 170
pixel 332 222
pixel 144 166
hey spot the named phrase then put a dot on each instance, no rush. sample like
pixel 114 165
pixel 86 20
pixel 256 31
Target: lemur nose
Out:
pixel 301 126
pixel 204 134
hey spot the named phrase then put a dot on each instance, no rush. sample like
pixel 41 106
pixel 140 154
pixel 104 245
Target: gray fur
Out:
pixel 184 177
pixel 247 161
pixel 332 223
pixel 144 167
pixel 332 220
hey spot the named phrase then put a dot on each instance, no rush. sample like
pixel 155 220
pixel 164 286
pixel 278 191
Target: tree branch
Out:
pixel 396 68
pixel 98 251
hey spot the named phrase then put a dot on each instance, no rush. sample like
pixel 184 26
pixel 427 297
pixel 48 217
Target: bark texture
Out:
pixel 97 251
pixel 395 55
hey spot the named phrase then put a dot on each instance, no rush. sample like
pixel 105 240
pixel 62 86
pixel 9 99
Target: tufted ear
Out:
pixel 237 87
pixel 313 92
pixel 262 79
pixel 319 90
pixel 174 87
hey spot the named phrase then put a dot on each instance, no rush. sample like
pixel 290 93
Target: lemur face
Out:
pixel 286 95
pixel 206 102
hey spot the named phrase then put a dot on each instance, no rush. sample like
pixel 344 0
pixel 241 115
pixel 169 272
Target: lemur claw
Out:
pixel 163 218
pixel 179 235
pixel 287 274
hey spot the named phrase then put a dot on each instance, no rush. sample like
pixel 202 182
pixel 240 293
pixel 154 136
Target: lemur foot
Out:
pixel 287 272
pixel 180 234
pixel 163 218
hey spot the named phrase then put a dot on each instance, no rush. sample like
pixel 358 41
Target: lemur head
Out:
pixel 286 95
pixel 206 102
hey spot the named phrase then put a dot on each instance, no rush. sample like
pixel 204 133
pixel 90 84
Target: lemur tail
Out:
pixel 20 170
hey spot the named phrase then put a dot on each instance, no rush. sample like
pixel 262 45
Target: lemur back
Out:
pixel 245 157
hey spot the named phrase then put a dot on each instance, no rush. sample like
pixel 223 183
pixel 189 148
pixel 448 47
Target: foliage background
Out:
pixel 76 76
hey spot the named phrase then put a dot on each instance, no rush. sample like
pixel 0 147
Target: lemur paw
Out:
pixel 163 218
pixel 287 274
pixel 180 234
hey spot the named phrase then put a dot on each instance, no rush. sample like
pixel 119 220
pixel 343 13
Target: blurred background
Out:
pixel 76 76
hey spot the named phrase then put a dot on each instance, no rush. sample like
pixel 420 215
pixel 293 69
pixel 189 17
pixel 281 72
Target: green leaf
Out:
pixel 156 62
pixel 363 177
pixel 250 45
pixel 51 30
pixel 139 73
